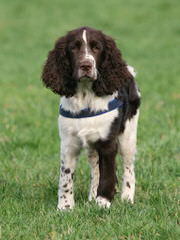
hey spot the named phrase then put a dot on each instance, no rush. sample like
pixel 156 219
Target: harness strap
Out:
pixel 86 112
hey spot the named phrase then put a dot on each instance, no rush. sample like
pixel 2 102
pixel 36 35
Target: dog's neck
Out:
pixel 86 98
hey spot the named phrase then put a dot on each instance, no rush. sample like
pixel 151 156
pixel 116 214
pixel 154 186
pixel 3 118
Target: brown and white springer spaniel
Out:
pixel 87 70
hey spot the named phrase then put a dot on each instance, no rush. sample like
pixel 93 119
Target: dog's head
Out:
pixel 85 54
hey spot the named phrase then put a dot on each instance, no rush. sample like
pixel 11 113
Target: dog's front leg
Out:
pixel 69 152
pixel 106 189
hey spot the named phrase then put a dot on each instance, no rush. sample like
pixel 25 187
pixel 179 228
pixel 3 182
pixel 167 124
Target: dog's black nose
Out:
pixel 86 66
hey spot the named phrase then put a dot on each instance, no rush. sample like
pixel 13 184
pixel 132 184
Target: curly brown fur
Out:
pixel 113 72
pixel 57 71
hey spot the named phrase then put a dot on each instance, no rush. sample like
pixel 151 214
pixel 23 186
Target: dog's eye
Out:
pixel 75 45
pixel 95 46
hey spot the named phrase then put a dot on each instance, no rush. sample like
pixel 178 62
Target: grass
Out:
pixel 148 34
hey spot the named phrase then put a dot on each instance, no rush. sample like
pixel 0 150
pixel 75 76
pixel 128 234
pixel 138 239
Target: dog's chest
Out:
pixel 87 130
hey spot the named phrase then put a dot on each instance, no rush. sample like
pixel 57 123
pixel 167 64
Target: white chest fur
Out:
pixel 90 129
pixel 87 130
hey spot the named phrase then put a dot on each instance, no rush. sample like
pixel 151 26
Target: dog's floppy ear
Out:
pixel 57 72
pixel 113 70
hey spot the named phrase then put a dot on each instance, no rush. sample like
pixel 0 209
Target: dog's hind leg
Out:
pixel 94 164
pixel 127 144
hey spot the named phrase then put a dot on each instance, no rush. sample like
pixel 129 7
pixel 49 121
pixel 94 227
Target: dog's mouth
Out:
pixel 86 78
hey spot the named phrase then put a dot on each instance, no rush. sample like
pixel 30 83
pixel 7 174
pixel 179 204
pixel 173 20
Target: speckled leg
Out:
pixel 69 152
pixel 94 163
pixel 128 150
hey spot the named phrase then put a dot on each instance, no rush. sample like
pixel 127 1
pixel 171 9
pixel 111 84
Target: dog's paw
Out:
pixel 90 198
pixel 92 195
pixel 64 207
pixel 65 204
pixel 103 202
pixel 128 196
pixel 128 190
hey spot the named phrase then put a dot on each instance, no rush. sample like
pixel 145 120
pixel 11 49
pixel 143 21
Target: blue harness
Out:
pixel 86 112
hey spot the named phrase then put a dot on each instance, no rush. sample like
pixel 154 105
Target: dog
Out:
pixel 99 109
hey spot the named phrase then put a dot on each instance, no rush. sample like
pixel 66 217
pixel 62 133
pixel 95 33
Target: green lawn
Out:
pixel 148 34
